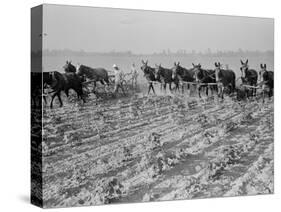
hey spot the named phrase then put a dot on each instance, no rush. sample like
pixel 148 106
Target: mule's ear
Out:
pixel 241 62
pixel 247 61
pixel 193 64
pixel 178 63
pixel 264 65
pixel 261 65
pixel 216 64
pixel 219 64
pixel 175 64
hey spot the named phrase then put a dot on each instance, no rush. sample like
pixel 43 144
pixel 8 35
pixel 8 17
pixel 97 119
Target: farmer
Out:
pixel 118 75
pixel 134 75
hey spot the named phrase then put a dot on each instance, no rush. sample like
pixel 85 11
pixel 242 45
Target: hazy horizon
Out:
pixel 93 29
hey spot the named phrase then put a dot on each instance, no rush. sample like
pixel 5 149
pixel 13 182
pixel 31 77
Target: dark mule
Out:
pixel 63 82
pixel 69 68
pixel 149 74
pixel 225 78
pixel 183 75
pixel 94 74
pixel 164 75
pixel 249 77
pixel 204 76
pixel 266 80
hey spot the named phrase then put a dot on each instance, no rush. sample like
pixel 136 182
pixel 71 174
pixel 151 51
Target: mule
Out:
pixel 94 74
pixel 183 75
pixel 267 81
pixel 249 77
pixel 203 76
pixel 149 74
pixel 164 75
pixel 225 78
pixel 63 82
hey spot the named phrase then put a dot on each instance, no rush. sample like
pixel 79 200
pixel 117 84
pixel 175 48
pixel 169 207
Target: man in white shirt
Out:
pixel 118 75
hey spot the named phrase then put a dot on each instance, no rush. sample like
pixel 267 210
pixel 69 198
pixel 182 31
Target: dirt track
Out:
pixel 156 148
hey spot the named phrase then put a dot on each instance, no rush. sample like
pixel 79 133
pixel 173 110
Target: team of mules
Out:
pixel 59 82
pixel 73 78
pixel 222 81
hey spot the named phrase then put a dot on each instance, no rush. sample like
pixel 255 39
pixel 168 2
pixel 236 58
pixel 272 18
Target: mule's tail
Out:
pixel 106 79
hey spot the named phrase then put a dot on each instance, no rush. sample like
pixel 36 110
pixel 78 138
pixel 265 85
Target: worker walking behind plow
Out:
pixel 118 75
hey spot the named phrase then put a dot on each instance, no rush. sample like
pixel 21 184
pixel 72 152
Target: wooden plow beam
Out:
pixel 88 82
pixel 196 83
pixel 190 83
pixel 251 86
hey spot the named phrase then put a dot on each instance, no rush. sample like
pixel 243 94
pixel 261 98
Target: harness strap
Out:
pixel 207 76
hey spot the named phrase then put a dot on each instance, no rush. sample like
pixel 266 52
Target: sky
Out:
pixel 104 29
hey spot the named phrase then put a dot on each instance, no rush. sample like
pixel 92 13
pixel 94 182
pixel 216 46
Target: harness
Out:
pixel 205 77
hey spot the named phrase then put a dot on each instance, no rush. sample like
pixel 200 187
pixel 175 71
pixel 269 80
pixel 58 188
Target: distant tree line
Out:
pixel 192 53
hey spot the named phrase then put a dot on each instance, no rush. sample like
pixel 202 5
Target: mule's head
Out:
pixel 198 73
pixel 217 70
pixel 79 70
pixel 262 72
pixel 144 66
pixel 48 78
pixel 68 67
pixel 176 70
pixel 244 68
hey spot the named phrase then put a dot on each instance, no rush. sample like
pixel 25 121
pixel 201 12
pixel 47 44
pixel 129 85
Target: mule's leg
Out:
pixel 82 96
pixel 149 87
pixel 222 92
pixel 94 88
pixel 212 90
pixel 59 97
pixel 170 87
pixel 53 96
pixel 153 88
pixel 199 91
pixel 66 92
pixel 263 94
pixel 106 81
pixel 78 93
pixel 270 94
pixel 207 90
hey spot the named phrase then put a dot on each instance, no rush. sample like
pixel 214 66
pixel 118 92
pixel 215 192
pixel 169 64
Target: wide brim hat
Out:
pixel 115 66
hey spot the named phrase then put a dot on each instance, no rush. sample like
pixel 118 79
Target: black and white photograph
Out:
pixel 131 106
